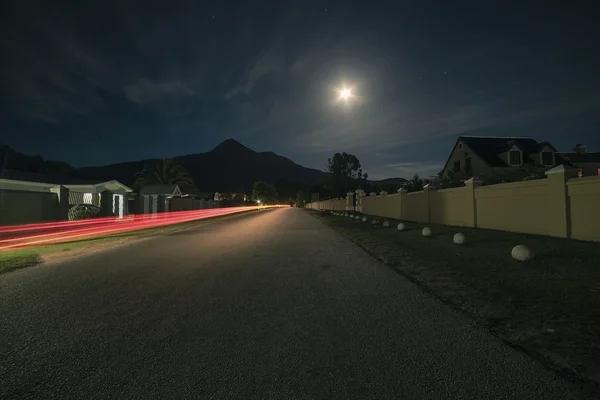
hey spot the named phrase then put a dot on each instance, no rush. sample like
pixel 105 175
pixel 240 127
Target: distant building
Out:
pixel 587 163
pixel 481 155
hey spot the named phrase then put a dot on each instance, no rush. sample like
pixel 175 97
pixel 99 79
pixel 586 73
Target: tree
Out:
pixel 166 172
pixel 264 192
pixel 346 174
pixel 415 184
pixel 453 179
pixel 301 198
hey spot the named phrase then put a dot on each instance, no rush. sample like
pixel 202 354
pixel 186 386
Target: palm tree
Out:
pixel 166 172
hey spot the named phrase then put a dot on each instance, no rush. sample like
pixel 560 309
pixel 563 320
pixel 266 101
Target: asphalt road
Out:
pixel 272 305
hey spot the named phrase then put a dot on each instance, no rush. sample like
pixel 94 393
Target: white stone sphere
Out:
pixel 426 231
pixel 364 219
pixel 386 224
pixel 401 226
pixel 522 253
pixel 357 217
pixel 375 222
pixel 459 238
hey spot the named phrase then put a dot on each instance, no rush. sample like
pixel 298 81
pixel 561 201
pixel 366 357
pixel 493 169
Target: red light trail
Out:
pixel 59 232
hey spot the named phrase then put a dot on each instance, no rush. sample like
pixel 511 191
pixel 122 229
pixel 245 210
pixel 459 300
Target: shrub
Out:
pixel 83 211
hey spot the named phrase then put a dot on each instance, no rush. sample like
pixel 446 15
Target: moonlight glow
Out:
pixel 345 93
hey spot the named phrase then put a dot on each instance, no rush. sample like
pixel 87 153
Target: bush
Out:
pixel 83 211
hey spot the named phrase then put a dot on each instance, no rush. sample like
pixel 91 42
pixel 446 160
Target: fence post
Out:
pixel 350 201
pixel 426 190
pixel 62 195
pixel 557 179
pixel 471 201
pixel 359 195
pixel 402 193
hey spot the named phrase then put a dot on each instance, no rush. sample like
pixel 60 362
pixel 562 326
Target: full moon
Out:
pixel 345 93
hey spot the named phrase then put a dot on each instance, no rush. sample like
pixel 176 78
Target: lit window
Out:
pixel 580 173
pixel 87 198
pixel 598 171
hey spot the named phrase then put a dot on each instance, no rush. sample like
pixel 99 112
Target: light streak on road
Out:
pixel 59 232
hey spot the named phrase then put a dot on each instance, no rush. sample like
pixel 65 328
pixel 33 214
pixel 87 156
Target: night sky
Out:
pixel 101 82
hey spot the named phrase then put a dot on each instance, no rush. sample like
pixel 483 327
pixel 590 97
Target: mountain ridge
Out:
pixel 230 166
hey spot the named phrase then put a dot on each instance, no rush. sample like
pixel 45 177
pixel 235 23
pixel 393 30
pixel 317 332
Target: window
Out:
pixel 580 173
pixel 87 198
pixel 460 146
pixel 515 158
pixel 547 158
pixel 457 166
pixel 468 168
pixel 466 154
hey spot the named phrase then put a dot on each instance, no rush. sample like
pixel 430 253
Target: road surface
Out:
pixel 272 305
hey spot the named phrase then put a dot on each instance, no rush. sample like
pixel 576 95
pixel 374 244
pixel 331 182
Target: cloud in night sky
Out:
pixel 145 91
pixel 166 78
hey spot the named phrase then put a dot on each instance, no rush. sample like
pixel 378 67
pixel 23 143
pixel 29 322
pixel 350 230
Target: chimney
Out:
pixel 579 148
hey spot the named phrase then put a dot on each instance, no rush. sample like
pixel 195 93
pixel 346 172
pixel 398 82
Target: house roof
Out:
pixel 110 185
pixel 161 189
pixel 487 148
pixel 38 180
pixel 580 157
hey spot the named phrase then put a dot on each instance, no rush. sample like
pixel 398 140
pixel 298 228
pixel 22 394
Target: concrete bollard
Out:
pixel 522 253
pixel 459 238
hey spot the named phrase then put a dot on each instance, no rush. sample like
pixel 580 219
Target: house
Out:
pixel 24 201
pixel 488 155
pixel 155 198
pixel 588 163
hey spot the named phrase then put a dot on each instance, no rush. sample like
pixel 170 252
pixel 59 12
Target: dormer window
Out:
pixel 547 158
pixel 515 157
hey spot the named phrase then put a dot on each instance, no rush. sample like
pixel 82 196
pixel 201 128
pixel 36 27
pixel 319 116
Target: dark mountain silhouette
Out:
pixel 18 166
pixel 229 167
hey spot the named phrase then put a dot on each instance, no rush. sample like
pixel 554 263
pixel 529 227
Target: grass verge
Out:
pixel 12 260
pixel 549 308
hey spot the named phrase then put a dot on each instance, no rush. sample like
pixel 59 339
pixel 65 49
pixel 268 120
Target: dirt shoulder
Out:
pixel 548 307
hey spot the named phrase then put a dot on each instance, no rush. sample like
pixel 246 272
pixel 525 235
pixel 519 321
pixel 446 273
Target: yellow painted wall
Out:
pixel 416 208
pixel 388 206
pixel 529 207
pixel 551 206
pixel 24 207
pixel 584 198
pixel 330 205
pixel 451 206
